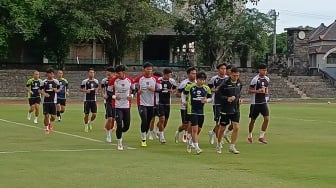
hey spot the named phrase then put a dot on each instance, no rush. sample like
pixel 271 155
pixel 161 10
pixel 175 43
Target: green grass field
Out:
pixel 301 153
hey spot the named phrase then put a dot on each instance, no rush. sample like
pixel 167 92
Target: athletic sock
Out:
pixel 108 133
pixel 262 134
pixel 249 135
pixel 143 136
pixel 46 127
pixel 196 145
pixel 119 141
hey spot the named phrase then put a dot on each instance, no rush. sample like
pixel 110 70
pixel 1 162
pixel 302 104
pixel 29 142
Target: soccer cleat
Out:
pixel 108 139
pixel 90 127
pixel 250 140
pixel 143 143
pixel 198 151
pixel 233 150
pixel 177 136
pixel 35 121
pixel 150 136
pixel 162 140
pixel 46 131
pixel 262 140
pixel 59 118
pixel 227 139
pixel 219 149
pixel 189 148
pixel 86 129
pixel 211 137
pixel 120 147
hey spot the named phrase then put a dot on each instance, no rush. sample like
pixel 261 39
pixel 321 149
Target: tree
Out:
pixel 122 24
pixel 18 18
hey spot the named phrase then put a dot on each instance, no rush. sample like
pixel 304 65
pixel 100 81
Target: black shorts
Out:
pixel 226 119
pixel 185 118
pixel 256 109
pixel 163 110
pixel 156 111
pixel 109 110
pixel 196 120
pixel 62 102
pixel 216 112
pixel 49 108
pixel 33 101
pixel 90 106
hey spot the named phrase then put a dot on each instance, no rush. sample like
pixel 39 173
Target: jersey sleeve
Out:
pixel 208 90
pixel 29 81
pixel 158 85
pixel 57 84
pixel 102 83
pixel 253 82
pixel 173 82
pixel 187 89
pixel 181 87
pixel 211 82
pixel 82 86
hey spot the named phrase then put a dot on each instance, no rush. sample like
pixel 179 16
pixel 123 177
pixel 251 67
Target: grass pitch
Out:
pixel 301 152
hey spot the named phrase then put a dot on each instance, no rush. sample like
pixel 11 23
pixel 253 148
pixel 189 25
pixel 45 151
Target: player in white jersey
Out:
pixel 89 87
pixel 260 91
pixel 109 110
pixel 122 94
pixel 185 118
pixel 146 86
pixel 49 89
pixel 214 84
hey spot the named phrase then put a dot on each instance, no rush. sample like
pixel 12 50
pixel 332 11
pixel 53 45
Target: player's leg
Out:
pixel 253 116
pixel 46 118
pixel 223 122
pixel 143 116
pixel 63 105
pixel 161 123
pixel 37 109
pixel 52 113
pixel 151 134
pixel 212 133
pixel 200 121
pixel 58 108
pixel 93 107
pixel 31 108
pixel 119 121
pixel 86 116
pixel 108 122
pixel 265 114
pixel 235 121
pixel 194 133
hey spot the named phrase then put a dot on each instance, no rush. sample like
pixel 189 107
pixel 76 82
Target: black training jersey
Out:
pixel 49 87
pixel 228 89
pixel 165 94
pixel 213 83
pixel 257 83
pixel 90 85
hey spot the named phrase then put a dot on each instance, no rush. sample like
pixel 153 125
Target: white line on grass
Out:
pixel 59 132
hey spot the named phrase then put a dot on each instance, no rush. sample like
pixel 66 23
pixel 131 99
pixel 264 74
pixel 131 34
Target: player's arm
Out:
pixel 221 94
pixel 104 89
pixel 28 86
pixel 42 91
pixel 67 91
pixel 253 87
pixel 180 90
pixel 211 84
pixel 83 88
pixel 184 94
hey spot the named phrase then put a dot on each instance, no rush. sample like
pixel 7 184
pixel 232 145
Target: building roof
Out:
pixel 323 33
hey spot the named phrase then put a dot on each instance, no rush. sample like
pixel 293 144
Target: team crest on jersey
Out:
pixel 199 92
pixel 165 85
pixel 122 85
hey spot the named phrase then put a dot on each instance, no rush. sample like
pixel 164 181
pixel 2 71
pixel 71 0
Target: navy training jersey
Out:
pixel 195 94
pixel 49 87
pixel 64 85
pixel 34 86
pixel 257 83
pixel 91 85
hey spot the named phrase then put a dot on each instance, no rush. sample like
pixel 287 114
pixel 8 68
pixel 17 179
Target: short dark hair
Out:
pixel 147 64
pixel 262 66
pixel 110 69
pixel 90 69
pixel 228 66
pixel 50 70
pixel 167 71
pixel 120 68
pixel 201 75
pixel 157 74
pixel 220 65
pixel 235 70
pixel 191 69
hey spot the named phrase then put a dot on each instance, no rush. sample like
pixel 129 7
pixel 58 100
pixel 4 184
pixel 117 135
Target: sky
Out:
pixel 295 13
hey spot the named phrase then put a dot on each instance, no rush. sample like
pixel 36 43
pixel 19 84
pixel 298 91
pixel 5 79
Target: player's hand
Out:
pixel 46 95
pixel 231 99
pixel 214 89
pixel 105 96
pixel 262 90
pixel 152 89
pixel 129 97
pixel 117 97
pixel 31 92
pixel 88 91
pixel 204 100
pixel 67 93
pixel 240 101
pixel 184 104
pixel 139 91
